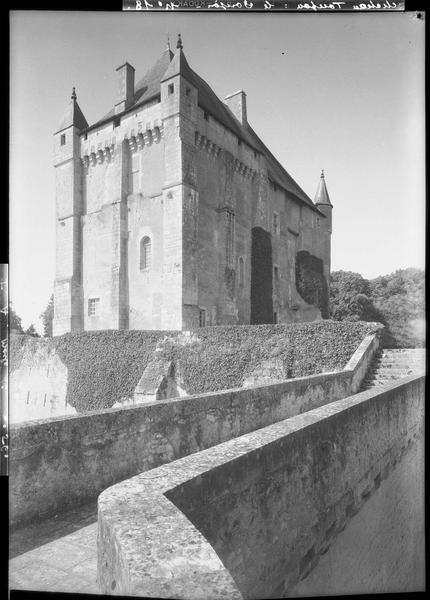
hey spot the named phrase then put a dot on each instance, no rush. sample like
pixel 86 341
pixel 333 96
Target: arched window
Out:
pixel 145 252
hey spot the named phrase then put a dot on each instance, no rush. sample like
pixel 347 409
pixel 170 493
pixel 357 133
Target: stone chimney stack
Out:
pixel 125 90
pixel 237 104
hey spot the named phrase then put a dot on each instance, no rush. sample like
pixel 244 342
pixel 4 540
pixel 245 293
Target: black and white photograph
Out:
pixel 215 320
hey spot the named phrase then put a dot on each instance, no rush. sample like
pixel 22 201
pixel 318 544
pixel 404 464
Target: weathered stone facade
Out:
pixel 158 205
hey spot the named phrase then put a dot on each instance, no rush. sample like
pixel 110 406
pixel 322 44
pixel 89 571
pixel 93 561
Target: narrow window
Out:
pixel 85 136
pixel 206 116
pixel 276 274
pixel 275 223
pixel 241 272
pixel 187 91
pixel 145 253
pixel 202 317
pixel 134 181
pixel 116 122
pixel 171 88
pixel 93 307
pixel 63 139
pixel 230 238
pixel 275 317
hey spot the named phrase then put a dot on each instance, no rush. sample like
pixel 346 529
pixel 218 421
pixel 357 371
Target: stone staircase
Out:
pixel 390 365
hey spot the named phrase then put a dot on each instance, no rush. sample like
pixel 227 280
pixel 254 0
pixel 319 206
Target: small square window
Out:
pixel 63 139
pixel 93 307
pixel 171 88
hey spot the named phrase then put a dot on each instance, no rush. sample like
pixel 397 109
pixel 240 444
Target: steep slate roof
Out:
pixel 73 116
pixel 147 88
pixel 322 197
pixel 169 65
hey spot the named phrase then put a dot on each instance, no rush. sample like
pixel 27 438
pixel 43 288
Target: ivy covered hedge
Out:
pixel 105 366
pixel 225 356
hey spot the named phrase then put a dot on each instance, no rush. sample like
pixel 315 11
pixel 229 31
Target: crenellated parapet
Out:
pixel 215 150
pixel 103 152
pixel 140 138
pixel 98 156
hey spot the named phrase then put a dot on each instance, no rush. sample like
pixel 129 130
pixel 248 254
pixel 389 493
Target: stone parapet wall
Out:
pixel 270 504
pixel 58 462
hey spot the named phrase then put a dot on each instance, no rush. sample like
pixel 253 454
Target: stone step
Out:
pixel 402 361
pixel 400 369
pixel 388 379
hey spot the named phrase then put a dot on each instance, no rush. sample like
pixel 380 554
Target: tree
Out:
pixel 350 298
pixel 48 317
pixel 15 322
pixel 31 330
pixel 395 300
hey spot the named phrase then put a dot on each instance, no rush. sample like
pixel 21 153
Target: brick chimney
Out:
pixel 125 90
pixel 237 104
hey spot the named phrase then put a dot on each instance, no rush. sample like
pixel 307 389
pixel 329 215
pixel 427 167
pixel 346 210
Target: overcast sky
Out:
pixel 343 92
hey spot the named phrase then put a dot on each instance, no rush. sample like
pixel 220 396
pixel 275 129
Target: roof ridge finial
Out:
pixel 179 42
pixel 168 42
pixel 322 173
pixel 74 96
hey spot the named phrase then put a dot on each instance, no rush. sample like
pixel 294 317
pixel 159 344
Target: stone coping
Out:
pixel 148 547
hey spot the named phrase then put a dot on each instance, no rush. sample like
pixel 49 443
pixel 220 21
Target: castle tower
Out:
pixel 68 308
pixel 322 201
pixel 180 195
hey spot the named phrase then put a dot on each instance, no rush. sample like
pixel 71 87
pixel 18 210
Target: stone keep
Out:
pixel 172 214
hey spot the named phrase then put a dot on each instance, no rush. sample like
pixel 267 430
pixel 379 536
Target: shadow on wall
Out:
pixel 261 277
pixel 311 283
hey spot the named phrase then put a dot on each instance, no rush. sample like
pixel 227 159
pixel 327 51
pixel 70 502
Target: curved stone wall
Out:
pixel 270 503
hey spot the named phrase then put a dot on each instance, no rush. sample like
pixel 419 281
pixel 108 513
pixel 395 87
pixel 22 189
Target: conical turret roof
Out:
pixel 322 197
pixel 73 115
pixel 178 66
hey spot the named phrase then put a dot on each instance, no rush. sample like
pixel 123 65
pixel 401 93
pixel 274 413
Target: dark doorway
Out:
pixel 261 277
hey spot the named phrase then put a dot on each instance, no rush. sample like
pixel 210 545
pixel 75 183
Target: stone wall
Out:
pixel 38 387
pixel 58 462
pixel 55 463
pixel 231 177
pixel 261 515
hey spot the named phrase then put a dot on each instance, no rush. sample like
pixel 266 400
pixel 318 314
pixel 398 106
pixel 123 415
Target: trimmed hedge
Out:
pixel 105 366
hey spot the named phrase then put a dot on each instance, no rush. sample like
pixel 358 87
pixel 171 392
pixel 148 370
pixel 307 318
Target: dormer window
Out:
pixel 63 139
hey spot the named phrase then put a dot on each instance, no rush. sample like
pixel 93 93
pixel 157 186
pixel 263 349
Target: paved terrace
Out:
pixel 56 555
